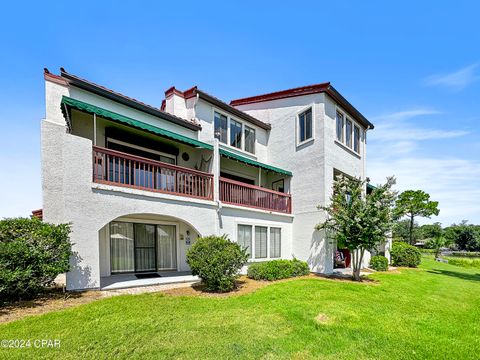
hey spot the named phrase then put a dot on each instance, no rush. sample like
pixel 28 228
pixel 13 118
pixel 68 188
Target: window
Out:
pixel 356 139
pixel 260 242
pixel 140 151
pixel 305 126
pixel 221 127
pixel 348 133
pixel 235 134
pixel 249 139
pixel 275 242
pixel 244 238
pixel 278 185
pixel 340 125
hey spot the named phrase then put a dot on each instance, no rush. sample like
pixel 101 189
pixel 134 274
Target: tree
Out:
pixel 413 203
pixel 431 231
pixel 401 231
pixel 358 221
pixel 465 236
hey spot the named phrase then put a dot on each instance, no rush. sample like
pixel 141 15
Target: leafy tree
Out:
pixel 358 221
pixel 437 243
pixel 465 236
pixel 431 231
pixel 413 203
pixel 401 231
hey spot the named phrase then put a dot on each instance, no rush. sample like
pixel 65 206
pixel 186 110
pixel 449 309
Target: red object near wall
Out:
pixel 347 256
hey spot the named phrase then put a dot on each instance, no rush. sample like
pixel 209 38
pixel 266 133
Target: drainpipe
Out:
pixel 216 186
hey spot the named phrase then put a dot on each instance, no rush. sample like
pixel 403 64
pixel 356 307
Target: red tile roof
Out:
pixel 299 91
pixel 307 90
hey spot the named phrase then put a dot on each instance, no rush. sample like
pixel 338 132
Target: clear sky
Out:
pixel 411 67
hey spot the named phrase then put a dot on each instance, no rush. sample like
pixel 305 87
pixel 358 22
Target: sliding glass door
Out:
pixel 145 257
pixel 121 247
pixel 136 247
pixel 166 249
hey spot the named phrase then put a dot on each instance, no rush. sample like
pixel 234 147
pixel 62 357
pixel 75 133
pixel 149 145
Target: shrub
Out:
pixel 32 254
pixel 404 254
pixel 379 263
pixel 277 269
pixel 217 261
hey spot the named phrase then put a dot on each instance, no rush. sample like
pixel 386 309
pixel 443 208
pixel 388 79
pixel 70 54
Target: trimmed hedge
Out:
pixel 277 269
pixel 379 263
pixel 404 254
pixel 467 254
pixel 217 261
pixel 32 254
pixel 464 262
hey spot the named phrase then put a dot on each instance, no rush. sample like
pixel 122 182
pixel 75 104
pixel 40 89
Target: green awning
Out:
pixel 251 162
pixel 110 115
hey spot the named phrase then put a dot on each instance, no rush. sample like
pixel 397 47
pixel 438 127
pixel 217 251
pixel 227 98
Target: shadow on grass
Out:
pixel 40 300
pixel 459 275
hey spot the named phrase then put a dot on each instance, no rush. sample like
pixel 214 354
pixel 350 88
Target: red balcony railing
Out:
pixel 121 169
pixel 238 193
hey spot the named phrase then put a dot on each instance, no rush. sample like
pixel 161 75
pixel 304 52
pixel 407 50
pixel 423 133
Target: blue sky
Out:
pixel 413 68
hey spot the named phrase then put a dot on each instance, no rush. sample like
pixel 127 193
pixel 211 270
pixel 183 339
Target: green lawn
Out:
pixel 431 312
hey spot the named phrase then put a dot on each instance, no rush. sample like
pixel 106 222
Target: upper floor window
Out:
pixel 235 134
pixel 305 126
pixel 340 125
pixel 221 127
pixel 249 139
pixel 348 133
pixel 356 139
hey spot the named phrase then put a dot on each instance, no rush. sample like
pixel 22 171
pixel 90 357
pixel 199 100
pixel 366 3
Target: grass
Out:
pixel 471 262
pixel 432 312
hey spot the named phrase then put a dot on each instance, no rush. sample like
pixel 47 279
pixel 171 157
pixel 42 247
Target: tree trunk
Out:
pixel 411 230
pixel 357 264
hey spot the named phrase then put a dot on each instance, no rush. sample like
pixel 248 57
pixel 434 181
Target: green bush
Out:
pixel 403 254
pixel 217 261
pixel 32 254
pixel 379 263
pixel 277 269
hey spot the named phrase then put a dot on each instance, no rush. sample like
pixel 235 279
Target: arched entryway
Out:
pixel 144 249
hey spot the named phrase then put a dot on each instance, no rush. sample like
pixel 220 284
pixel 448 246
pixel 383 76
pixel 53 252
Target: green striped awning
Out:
pixel 251 162
pixel 110 115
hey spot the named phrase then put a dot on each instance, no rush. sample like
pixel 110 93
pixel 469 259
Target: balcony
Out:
pixel 241 194
pixel 122 169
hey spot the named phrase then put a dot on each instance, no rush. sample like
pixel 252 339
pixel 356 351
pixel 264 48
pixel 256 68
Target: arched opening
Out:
pixel 144 249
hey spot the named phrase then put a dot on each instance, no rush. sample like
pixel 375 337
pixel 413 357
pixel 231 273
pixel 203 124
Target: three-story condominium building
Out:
pixel 140 183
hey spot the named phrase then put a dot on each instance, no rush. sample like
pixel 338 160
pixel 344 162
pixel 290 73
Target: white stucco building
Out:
pixel 140 183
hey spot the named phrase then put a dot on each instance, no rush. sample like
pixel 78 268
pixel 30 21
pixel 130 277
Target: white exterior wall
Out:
pixel 70 195
pixel 312 164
